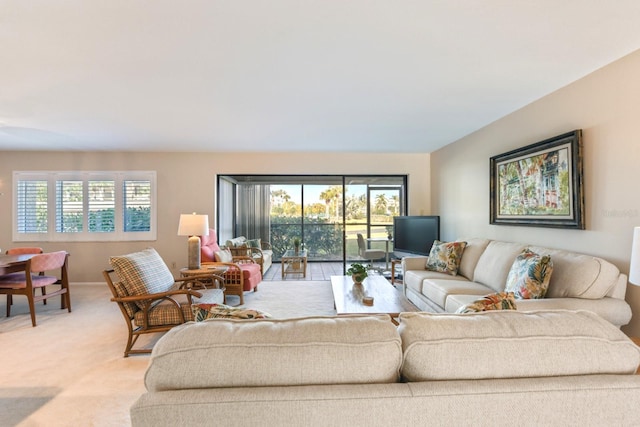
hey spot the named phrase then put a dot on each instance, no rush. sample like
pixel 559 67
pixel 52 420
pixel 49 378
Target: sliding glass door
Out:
pixel 324 212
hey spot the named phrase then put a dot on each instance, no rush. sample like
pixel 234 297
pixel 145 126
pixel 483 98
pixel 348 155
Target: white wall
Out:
pixel 186 183
pixel 606 106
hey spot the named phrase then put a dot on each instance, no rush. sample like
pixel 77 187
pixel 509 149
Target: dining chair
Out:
pixel 24 283
pixel 25 250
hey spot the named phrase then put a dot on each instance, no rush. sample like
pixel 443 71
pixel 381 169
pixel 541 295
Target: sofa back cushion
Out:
pixel 475 247
pixel 579 276
pixel 255 353
pixel 236 241
pixel 495 263
pixel 513 344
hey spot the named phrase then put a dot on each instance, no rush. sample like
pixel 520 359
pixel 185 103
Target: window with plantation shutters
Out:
pixel 84 206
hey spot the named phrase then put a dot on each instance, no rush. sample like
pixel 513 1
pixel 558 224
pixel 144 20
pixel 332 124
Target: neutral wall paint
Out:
pixel 186 183
pixel 606 106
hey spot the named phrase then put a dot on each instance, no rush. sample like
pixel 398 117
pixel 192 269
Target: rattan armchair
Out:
pixel 156 302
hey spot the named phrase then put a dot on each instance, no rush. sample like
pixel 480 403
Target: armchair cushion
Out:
pixel 142 273
pixel 223 255
pixel 208 246
pixel 254 243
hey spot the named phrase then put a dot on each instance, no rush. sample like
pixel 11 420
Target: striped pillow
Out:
pixel 142 273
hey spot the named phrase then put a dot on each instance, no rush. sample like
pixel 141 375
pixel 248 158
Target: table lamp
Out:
pixel 194 226
pixel 634 269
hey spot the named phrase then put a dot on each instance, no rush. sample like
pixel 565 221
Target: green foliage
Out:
pixel 358 271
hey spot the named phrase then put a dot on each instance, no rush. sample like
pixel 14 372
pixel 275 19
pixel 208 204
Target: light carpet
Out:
pixel 70 370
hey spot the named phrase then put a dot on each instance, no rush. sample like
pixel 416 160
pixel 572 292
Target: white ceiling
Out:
pixel 289 75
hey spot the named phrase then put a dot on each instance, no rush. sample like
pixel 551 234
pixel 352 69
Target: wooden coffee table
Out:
pixel 387 299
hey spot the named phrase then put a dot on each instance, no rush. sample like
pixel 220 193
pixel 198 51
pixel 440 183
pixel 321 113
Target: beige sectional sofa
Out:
pixel 499 368
pixel 578 281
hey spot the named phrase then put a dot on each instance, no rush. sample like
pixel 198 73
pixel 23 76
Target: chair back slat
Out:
pixel 48 261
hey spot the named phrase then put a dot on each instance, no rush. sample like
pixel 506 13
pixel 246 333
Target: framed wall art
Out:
pixel 539 185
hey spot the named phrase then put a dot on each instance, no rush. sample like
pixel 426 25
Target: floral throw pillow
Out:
pixel 221 311
pixel 444 257
pixel 529 275
pixel 498 301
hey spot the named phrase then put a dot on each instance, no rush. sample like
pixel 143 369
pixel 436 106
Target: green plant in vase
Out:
pixel 296 245
pixel 358 272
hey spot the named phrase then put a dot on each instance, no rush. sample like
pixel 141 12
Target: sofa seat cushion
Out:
pixel 414 279
pixel 251 276
pixel 512 344
pixel 578 275
pixel 614 310
pixel 271 352
pixel 438 290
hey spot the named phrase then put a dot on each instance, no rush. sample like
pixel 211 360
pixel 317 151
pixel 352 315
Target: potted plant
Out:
pixel 358 272
pixel 296 245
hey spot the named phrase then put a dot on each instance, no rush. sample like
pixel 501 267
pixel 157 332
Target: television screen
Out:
pixel 414 235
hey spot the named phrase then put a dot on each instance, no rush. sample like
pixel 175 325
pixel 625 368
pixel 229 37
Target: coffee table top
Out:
pixel 386 298
pixel 290 253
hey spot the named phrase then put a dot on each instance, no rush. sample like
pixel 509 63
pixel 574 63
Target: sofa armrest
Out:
pixel 414 263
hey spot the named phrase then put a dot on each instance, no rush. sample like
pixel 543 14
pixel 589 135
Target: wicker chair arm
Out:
pixel 157 296
pixel 243 260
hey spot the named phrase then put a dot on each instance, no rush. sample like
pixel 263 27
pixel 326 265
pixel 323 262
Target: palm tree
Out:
pixel 331 195
pixel 381 204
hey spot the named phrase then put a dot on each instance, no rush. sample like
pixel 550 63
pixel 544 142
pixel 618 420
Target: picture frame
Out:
pixel 540 185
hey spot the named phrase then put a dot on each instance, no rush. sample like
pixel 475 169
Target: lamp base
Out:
pixel 194 253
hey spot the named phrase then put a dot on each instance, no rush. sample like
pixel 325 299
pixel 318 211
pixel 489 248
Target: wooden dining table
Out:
pixel 13 263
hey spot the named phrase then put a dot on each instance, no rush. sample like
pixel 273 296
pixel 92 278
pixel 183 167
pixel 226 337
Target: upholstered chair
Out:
pixel 211 252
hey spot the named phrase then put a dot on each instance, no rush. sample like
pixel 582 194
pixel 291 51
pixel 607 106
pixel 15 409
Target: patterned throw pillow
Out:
pixel 254 243
pixel 220 311
pixel 499 301
pixel 444 257
pixel 143 272
pixel 529 275
pixel 223 255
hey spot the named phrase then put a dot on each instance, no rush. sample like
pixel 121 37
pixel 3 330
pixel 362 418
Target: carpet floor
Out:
pixel 70 369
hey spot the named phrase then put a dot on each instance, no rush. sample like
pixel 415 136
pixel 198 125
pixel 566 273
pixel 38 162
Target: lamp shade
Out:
pixel 193 225
pixel 634 269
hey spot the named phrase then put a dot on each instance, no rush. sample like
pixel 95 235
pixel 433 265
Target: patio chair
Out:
pixel 150 299
pixel 369 254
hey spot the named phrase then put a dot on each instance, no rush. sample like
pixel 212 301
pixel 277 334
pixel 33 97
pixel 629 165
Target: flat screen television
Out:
pixel 414 235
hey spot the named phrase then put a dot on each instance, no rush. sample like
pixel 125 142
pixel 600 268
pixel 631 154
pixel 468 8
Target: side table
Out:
pixel 205 276
pixel 395 262
pixel 294 263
